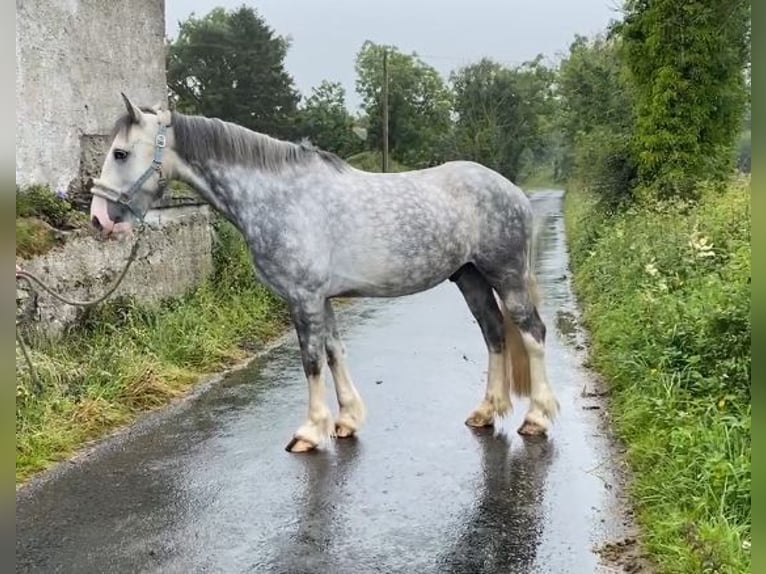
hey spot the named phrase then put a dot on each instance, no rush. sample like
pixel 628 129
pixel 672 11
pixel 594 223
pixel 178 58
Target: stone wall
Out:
pixel 73 58
pixel 175 254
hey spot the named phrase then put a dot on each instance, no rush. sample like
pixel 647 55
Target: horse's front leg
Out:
pixel 351 412
pixel 309 320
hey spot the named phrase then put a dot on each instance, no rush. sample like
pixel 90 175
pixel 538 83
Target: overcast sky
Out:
pixel 327 34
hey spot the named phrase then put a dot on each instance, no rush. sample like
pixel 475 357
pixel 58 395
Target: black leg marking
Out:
pixel 333 343
pixel 529 321
pixel 481 301
pixel 309 321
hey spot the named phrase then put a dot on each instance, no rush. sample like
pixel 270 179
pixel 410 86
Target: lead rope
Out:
pixel 31 278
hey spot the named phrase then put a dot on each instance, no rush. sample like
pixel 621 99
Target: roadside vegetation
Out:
pixel 656 160
pixel 122 359
pixel 666 297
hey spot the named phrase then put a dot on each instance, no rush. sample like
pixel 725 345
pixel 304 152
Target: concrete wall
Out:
pixel 175 254
pixel 73 57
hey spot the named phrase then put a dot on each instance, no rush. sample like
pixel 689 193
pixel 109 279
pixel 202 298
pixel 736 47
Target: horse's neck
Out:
pixel 232 189
pixel 202 180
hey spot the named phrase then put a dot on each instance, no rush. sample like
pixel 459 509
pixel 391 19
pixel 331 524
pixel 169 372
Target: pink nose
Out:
pixel 99 215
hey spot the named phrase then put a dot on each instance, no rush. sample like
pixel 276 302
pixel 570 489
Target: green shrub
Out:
pixel 604 164
pixel 40 201
pixel 666 297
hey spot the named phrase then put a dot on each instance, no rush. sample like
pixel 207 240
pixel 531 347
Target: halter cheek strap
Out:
pixel 129 197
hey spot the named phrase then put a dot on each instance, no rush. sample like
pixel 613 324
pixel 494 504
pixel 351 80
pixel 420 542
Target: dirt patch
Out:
pixel 624 556
pixel 566 323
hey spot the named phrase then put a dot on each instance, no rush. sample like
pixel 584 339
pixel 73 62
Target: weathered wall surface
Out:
pixel 73 57
pixel 175 254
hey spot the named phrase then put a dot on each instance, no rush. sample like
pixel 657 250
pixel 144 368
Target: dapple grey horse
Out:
pixel 318 229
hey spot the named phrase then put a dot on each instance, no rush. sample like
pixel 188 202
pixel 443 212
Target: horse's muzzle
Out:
pixel 102 221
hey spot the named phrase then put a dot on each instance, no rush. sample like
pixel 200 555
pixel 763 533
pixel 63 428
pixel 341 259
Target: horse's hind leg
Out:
pixel 481 301
pixel 525 348
pixel 309 320
pixel 351 413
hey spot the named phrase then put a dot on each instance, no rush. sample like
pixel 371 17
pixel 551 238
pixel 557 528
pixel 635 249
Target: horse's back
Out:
pixel 404 232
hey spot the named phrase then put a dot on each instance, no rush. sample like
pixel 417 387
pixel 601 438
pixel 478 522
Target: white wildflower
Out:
pixel 651 269
pixel 701 245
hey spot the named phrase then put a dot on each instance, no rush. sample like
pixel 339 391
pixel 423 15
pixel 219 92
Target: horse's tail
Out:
pixel 517 375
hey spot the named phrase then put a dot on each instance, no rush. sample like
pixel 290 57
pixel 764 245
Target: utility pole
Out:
pixel 385 110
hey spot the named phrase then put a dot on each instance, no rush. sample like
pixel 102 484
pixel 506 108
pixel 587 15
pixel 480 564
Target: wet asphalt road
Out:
pixel 210 488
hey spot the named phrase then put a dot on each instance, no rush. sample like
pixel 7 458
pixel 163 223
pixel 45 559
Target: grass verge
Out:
pixel 666 297
pixel 123 359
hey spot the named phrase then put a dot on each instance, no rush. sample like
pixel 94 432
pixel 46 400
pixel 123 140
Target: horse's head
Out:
pixel 135 169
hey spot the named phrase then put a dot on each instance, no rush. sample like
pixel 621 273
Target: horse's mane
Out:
pixel 199 139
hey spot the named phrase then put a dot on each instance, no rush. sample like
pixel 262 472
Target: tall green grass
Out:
pixel 123 359
pixel 666 297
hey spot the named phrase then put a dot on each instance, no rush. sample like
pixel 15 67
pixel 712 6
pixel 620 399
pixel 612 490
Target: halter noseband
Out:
pixel 129 197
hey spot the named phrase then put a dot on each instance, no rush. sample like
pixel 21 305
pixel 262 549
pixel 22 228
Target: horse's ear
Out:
pixel 133 112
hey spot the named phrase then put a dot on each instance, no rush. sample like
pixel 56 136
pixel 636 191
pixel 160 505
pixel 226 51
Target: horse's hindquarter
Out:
pixel 396 234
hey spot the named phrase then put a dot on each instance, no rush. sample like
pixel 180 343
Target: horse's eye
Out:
pixel 120 154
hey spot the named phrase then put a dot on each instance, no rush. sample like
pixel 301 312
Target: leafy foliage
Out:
pixel 419 104
pixel 230 65
pixel 687 63
pixel 596 119
pixel 39 201
pixel 326 121
pixel 680 375
pixel 500 113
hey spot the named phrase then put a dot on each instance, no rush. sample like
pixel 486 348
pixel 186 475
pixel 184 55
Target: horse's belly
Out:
pixel 406 278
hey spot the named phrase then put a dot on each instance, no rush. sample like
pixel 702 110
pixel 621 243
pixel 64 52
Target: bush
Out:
pixel 40 201
pixel 666 297
pixel 604 164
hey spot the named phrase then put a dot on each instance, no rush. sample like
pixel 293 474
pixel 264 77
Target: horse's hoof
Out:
pixel 479 420
pixel 298 445
pixel 530 428
pixel 342 431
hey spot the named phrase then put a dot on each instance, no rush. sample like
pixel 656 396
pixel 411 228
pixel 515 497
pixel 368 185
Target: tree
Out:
pixel 230 65
pixel 687 60
pixel 419 104
pixel 501 114
pixel 326 121
pixel 592 89
pixel 595 118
